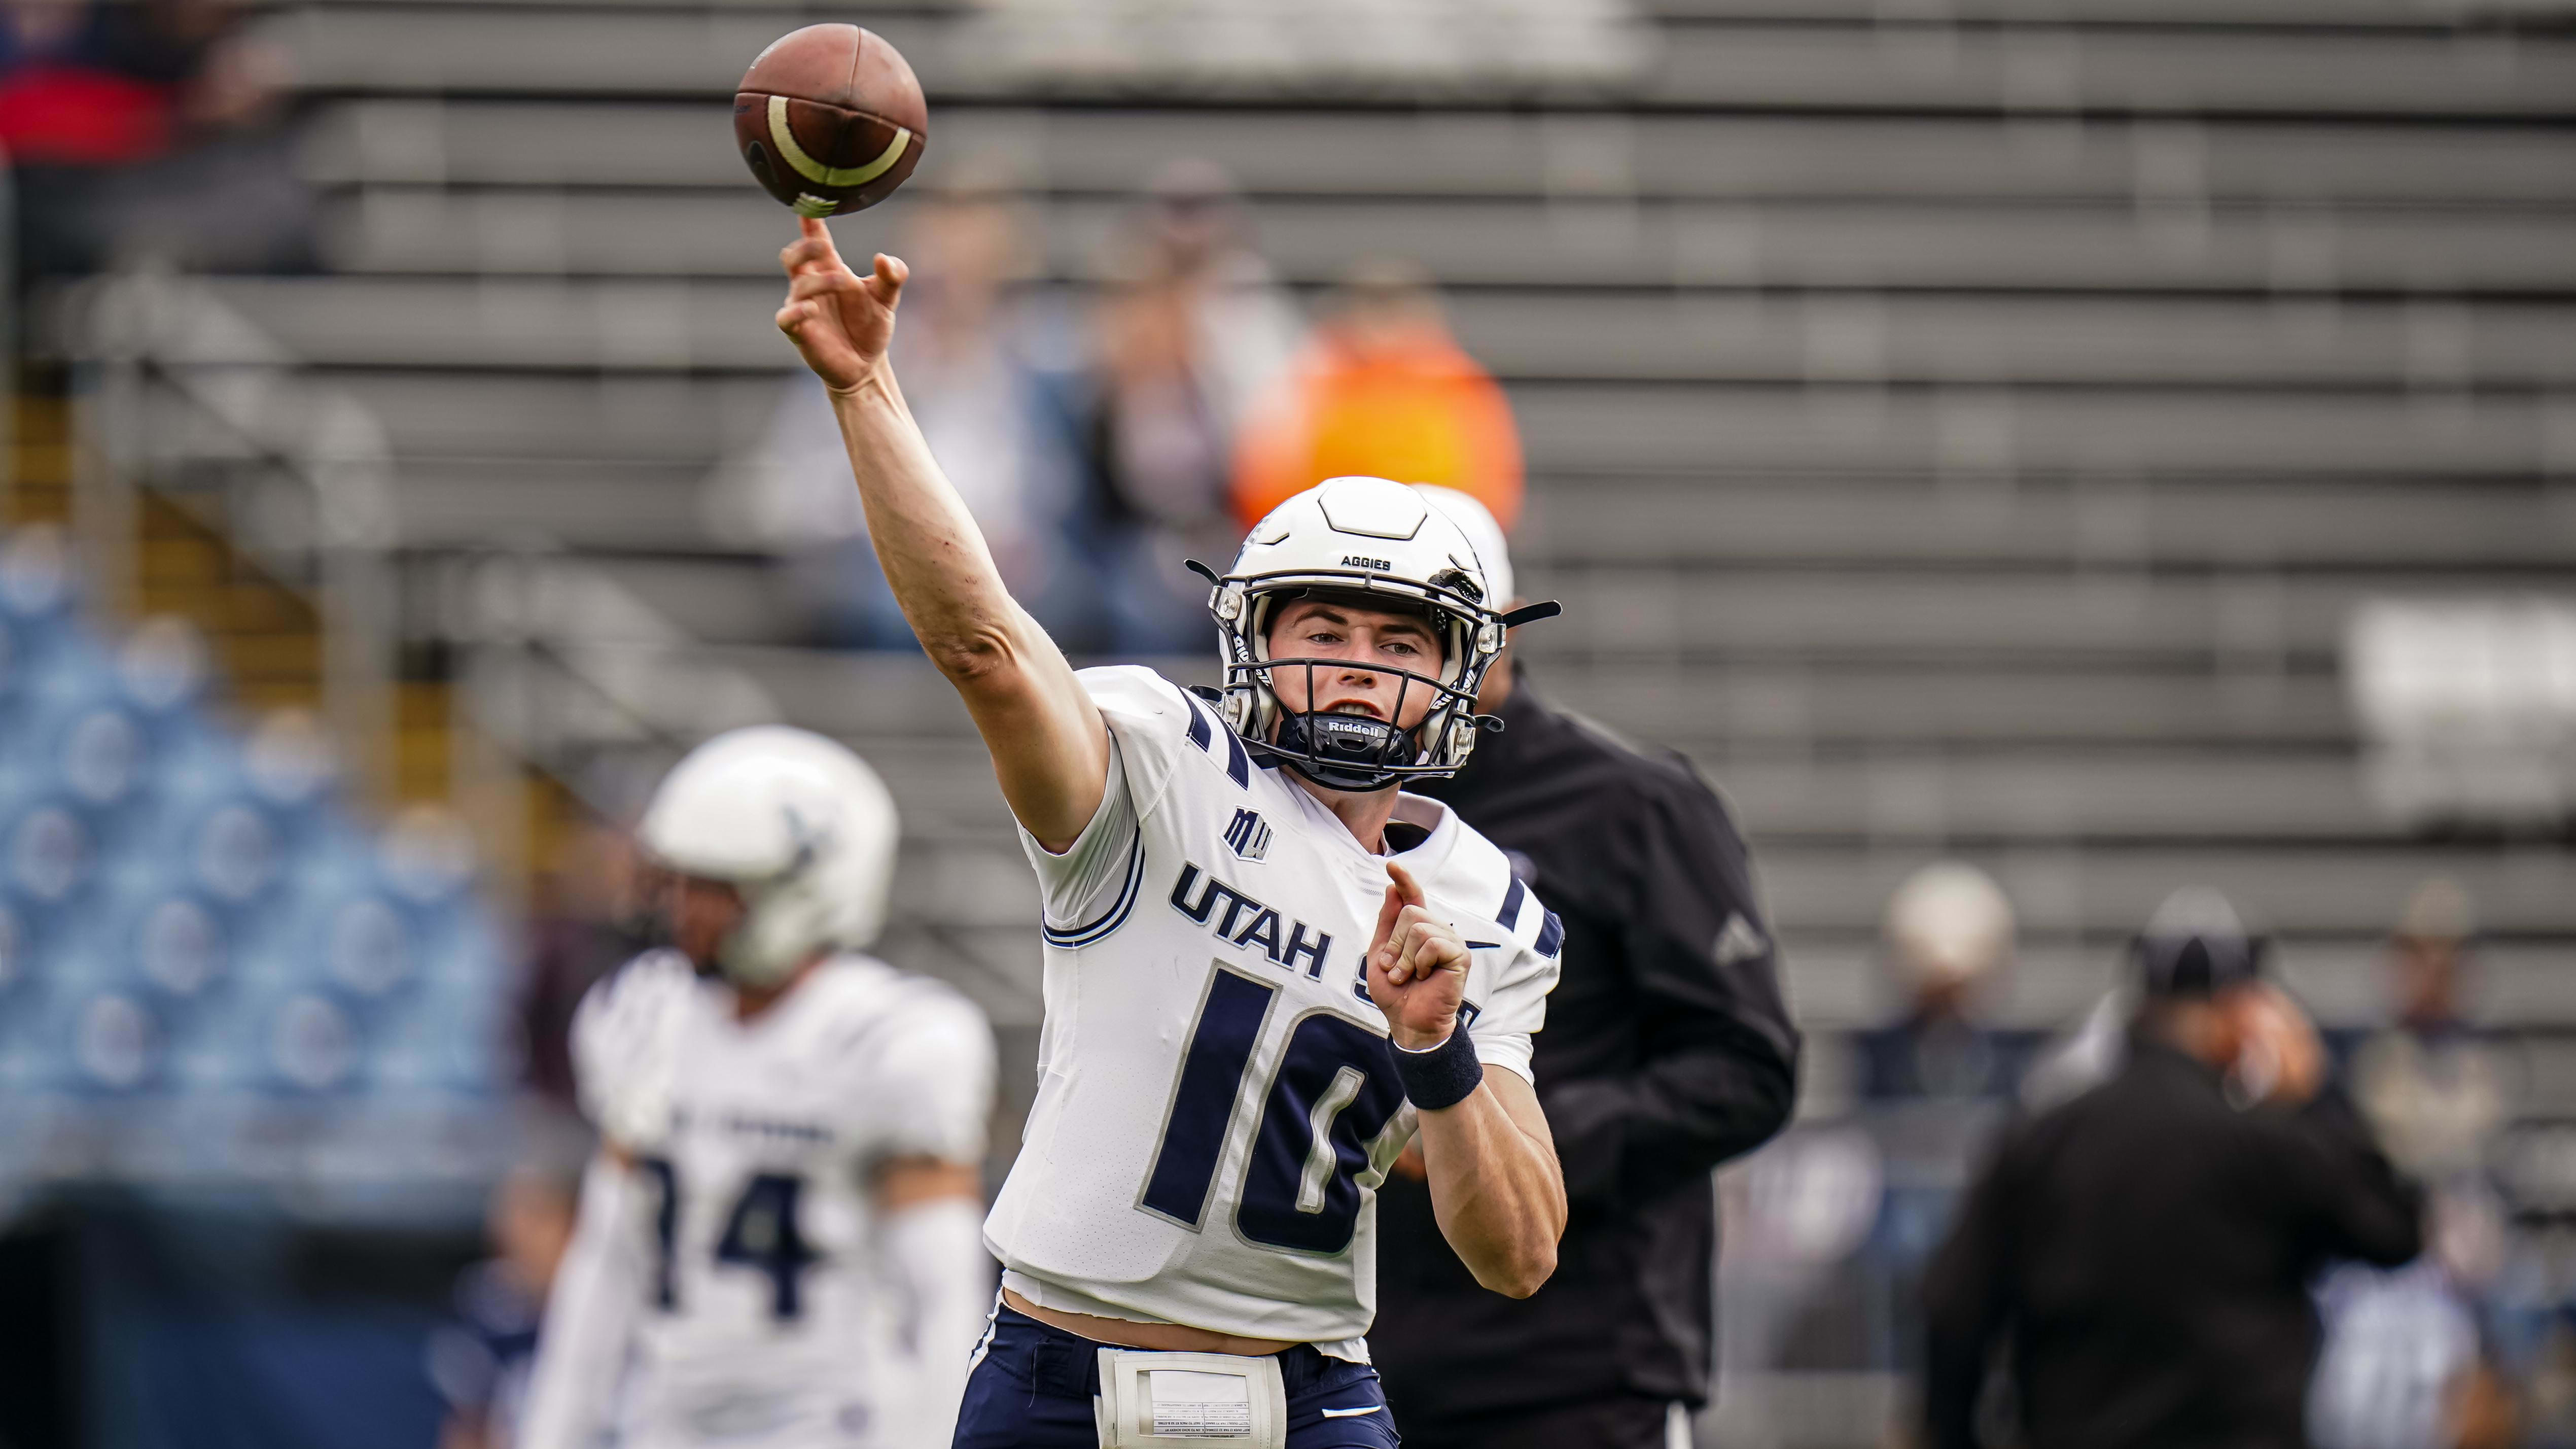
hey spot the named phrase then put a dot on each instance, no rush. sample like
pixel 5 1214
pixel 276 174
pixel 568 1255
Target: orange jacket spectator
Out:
pixel 1384 390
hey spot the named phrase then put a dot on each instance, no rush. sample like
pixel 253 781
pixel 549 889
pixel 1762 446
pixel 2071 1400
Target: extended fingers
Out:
pixel 1387 912
pixel 812 249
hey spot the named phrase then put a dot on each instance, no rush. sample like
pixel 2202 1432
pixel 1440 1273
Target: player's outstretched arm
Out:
pixel 597 1294
pixel 1497 1189
pixel 1049 745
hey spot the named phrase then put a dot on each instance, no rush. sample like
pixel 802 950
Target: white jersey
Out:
pixel 763 1320
pixel 1216 1106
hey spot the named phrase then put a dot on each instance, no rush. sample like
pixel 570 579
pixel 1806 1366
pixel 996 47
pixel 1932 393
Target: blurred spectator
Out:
pixel 2407 1363
pixel 1932 1084
pixel 1948 934
pixel 585 924
pixel 146 129
pixel 2143 1251
pixel 1193 328
pixel 480 1362
pixel 995 416
pixel 2432 1084
pixel 1383 389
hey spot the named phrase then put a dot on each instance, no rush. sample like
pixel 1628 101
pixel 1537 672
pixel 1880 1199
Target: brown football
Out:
pixel 830 119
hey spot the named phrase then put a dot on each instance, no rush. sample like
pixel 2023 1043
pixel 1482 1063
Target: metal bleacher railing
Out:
pixel 180 392
pixel 183 393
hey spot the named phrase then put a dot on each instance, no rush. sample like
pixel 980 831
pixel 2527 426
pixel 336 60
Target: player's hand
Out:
pixel 841 322
pixel 1417 967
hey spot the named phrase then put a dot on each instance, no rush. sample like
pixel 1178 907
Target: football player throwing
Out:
pixel 1266 969
pixel 777 1244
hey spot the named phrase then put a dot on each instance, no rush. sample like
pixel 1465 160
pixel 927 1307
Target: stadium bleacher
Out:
pixel 1964 427
pixel 201 944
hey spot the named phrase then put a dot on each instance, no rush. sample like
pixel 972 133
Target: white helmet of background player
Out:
pixel 1380 545
pixel 798 825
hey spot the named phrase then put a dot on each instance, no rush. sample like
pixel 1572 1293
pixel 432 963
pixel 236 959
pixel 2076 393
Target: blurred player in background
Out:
pixel 1266 967
pixel 780 1228
pixel 2144 1250
pixel 480 1362
pixel 1668 1051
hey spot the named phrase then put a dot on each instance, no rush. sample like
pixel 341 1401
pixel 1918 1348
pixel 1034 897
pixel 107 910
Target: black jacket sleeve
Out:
pixel 1966 1303
pixel 2345 1199
pixel 1717 1070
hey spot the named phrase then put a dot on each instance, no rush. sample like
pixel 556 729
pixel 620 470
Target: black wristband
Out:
pixel 1442 1076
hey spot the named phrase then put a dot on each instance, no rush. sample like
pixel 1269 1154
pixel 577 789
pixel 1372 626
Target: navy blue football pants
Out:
pixel 1033 1387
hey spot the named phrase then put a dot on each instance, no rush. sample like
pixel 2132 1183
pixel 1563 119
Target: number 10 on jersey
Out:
pixel 1333 1093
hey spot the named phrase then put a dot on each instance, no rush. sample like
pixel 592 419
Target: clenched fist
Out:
pixel 841 322
pixel 1417 966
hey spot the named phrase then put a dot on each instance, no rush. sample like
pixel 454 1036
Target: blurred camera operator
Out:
pixel 2143 1251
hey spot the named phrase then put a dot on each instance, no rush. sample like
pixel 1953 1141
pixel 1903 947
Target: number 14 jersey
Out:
pixel 766 1320
pixel 1216 1104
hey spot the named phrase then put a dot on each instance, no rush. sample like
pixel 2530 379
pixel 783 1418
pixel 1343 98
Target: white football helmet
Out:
pixel 796 823
pixel 1384 546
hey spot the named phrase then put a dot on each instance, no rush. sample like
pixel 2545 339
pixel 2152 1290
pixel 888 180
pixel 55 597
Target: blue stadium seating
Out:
pixel 193 932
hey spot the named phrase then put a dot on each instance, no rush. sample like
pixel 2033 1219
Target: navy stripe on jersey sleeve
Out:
pixel 1551 936
pixel 1509 917
pixel 1111 919
pixel 1238 763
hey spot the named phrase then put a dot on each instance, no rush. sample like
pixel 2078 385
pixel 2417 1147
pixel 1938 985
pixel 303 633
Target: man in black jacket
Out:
pixel 1667 1051
pixel 2143 1251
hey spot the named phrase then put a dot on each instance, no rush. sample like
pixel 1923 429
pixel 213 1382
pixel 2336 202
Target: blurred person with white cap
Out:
pixel 1668 1051
pixel 1947 937
pixel 778 1241
pixel 1933 1084
pixel 2142 1252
